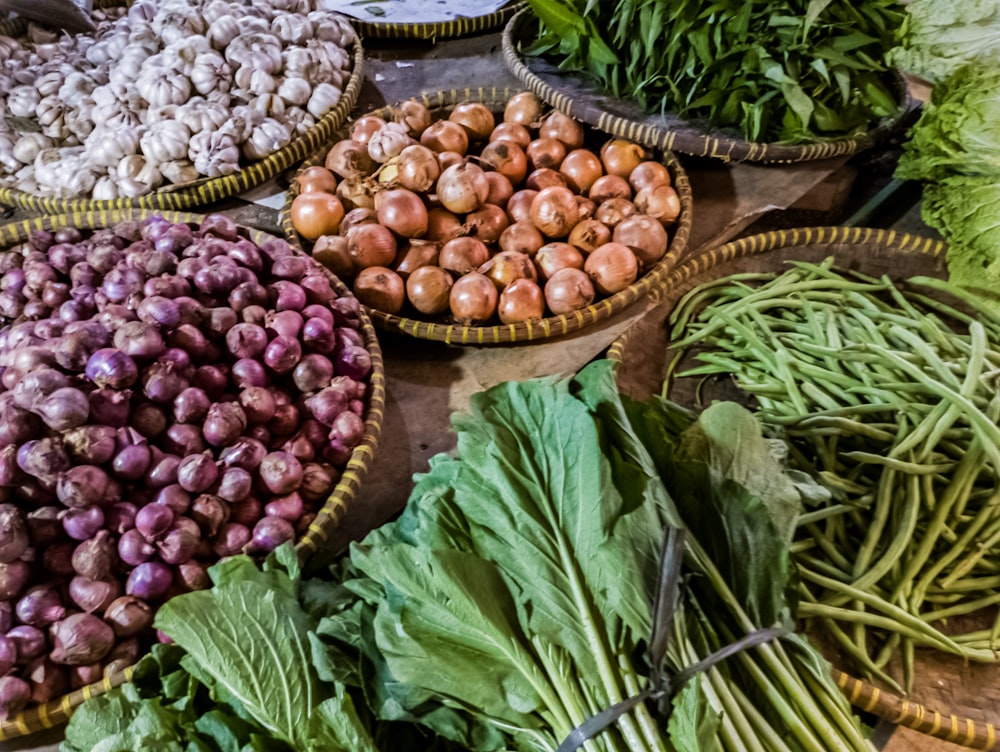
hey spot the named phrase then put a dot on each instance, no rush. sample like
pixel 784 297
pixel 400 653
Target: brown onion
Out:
pixel 581 168
pixel 473 298
pixel 589 234
pixel 620 156
pixel 507 158
pixel 462 188
pixel 415 254
pixel 365 127
pixel 522 237
pixel 648 173
pixel 316 178
pixel 552 257
pixel 511 132
pixel 331 251
pixel 476 118
pixel 524 109
pixel 659 201
pixel 442 225
pixel 554 211
pixel 355 217
pixel 562 128
pixel 349 159
pixel 417 168
pixel 519 205
pixel 428 289
pixel 501 189
pixel 444 135
pixel 448 158
pixel 568 290
pixel 380 288
pixel 355 194
pixel 545 152
pixel 487 222
pixel 521 300
pixel 414 115
pixel 463 254
pixel 609 186
pixel 371 245
pixel 614 210
pixel 612 267
pixel 507 266
pixel 316 213
pixel 645 236
pixel 402 211
pixel 545 177
pixel 586 207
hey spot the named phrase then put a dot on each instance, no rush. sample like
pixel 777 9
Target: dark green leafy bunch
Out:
pixel 798 71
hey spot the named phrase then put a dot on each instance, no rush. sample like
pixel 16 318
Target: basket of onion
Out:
pixel 480 218
pixel 174 389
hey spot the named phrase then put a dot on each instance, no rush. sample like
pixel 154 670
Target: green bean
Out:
pixel 961 609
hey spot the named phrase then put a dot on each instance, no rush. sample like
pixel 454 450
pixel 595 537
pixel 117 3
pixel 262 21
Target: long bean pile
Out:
pixel 889 396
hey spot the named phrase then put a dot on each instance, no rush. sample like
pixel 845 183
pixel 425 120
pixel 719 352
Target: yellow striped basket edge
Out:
pixel 456 334
pixel 949 726
pixel 327 519
pixel 209 190
pixel 701 144
pixel 459 27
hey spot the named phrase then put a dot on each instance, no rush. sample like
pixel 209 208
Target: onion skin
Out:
pixel 507 158
pixel 545 177
pixel 402 211
pixel 475 118
pixel 581 168
pixel 371 245
pixel 514 132
pixel 659 201
pixel 620 157
pixel 462 188
pixel 589 234
pixel 646 237
pixel 568 290
pixel 522 237
pixel 519 205
pixel 487 223
pixel 554 212
pixel 508 266
pixel 445 135
pixel 473 298
pixel 612 267
pixel 415 254
pixel 552 257
pixel 417 168
pixel 609 186
pixel 316 178
pixel 524 108
pixel 442 225
pixel 316 213
pixel 380 288
pixel 521 300
pixel 501 189
pixel 428 289
pixel 545 153
pixel 349 160
pixel 463 255
pixel 562 128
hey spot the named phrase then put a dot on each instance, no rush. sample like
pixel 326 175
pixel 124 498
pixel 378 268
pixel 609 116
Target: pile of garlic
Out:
pixel 168 92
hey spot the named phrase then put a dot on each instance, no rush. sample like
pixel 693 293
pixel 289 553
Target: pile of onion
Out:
pixel 475 221
pixel 170 394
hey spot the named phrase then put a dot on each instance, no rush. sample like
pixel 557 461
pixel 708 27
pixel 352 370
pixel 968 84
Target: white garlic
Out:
pixel 165 141
pixel 199 114
pixel 266 138
pixel 295 91
pixel 159 86
pixel 292 29
pixel 268 104
pixel 388 141
pixel 215 10
pixel 183 54
pixel 324 97
pixel 298 120
pixel 222 31
pixel 48 83
pixel 210 72
pixel 50 114
pixel 76 86
pixel 107 147
pixel 179 171
pixel 260 51
pixel 29 145
pixel 214 154
pixel 105 189
pixel 23 100
pixel 254 80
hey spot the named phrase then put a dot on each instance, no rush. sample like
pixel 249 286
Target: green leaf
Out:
pixel 228 733
pixel 693 726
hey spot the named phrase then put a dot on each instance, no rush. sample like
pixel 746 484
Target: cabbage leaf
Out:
pixel 940 36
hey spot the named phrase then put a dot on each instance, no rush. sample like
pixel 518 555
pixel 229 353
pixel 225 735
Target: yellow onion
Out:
pixel 581 168
pixel 659 201
pixel 507 266
pixel 316 213
pixel 614 210
pixel 415 254
pixel 552 257
pixel 501 189
pixel 524 109
pixel 402 211
pixel 354 217
pixel 562 128
pixel 316 178
pixel 522 237
pixel 371 245
pixel 648 173
pixel 473 298
pixel 487 222
pixel 463 254
pixel 349 159
pixel 545 177
pixel 356 194
pixel 554 211
pixel 417 168
pixel 589 234
pixel 545 152
pixel 620 156
pixel 568 290
pixel 609 186
pixel 519 205
pixel 365 127
pixel 414 115
pixel 645 236
pixel 476 118
pixel 585 207
pixel 511 132
pixel 442 225
pixel 521 300
pixel 428 289
pixel 380 288
pixel 331 252
pixel 612 267
pixel 507 158
pixel 448 158
pixel 462 188
pixel 444 135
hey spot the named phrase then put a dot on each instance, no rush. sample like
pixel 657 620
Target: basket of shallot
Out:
pixel 174 389
pixel 170 105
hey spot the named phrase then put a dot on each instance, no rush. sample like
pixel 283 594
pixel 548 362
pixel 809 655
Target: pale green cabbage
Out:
pixel 939 36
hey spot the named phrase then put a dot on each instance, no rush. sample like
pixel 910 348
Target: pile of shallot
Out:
pixel 170 394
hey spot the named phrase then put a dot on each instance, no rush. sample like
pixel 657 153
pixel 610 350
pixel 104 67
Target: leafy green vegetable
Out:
pixel 776 70
pixel 940 36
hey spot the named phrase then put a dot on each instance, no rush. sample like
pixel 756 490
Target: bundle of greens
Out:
pixel 955 149
pixel 514 599
pixel 778 71
pixel 940 36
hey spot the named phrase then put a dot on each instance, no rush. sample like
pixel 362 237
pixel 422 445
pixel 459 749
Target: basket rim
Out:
pixel 57 711
pixel 948 726
pixel 693 140
pixel 438 30
pixel 205 191
pixel 525 331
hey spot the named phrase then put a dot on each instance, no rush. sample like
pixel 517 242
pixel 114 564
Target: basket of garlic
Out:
pixel 170 104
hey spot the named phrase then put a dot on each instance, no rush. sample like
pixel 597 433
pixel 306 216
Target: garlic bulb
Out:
pixel 210 72
pixel 76 86
pixel 388 141
pixel 105 189
pixel 266 138
pixel 323 98
pixel 199 114
pixel 268 104
pixel 179 171
pixel 259 51
pixel 22 100
pixel 298 120
pixel 29 145
pixel 49 112
pixel 292 29
pixel 295 91
pixel 183 53
pixel 254 80
pixel 107 147
pixel 222 31
pixel 160 86
pixel 214 154
pixel 137 175
pixel 165 141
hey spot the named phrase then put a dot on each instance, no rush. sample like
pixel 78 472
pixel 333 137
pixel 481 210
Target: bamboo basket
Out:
pixel 527 331
pixel 328 517
pixel 459 27
pixel 951 700
pixel 204 191
pixel 576 96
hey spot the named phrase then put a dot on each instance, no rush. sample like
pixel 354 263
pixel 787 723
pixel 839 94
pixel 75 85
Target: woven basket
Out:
pixel 526 331
pixel 950 700
pixel 459 27
pixel 328 517
pixel 575 95
pixel 206 190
